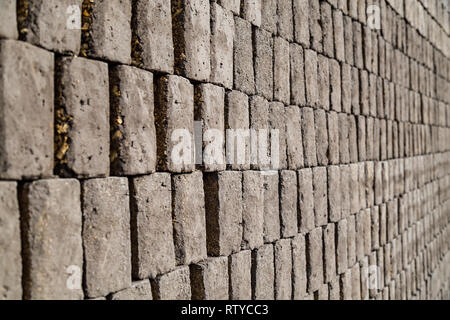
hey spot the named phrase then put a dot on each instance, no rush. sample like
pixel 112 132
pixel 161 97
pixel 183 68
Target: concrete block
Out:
pixel 175 285
pixel 263 273
pixel 189 223
pixel 192 38
pixel 264 59
pixel 174 120
pixel 237 123
pixel 314 259
pixel 152 35
pixel 253 209
pixel 26 147
pixel 288 204
pixel 106 236
pixel 223 204
pixel 283 269
pixel 240 273
pixel 209 279
pixel 51 240
pixel 222 37
pixel 210 110
pixel 244 78
pixel 140 290
pixel 132 110
pixel 281 75
pixel 294 139
pixel 10 243
pixel 107 30
pixel 297 70
pixel 301 22
pixel 309 137
pixel 329 240
pixel 306 200
pixel 153 251
pixel 82 133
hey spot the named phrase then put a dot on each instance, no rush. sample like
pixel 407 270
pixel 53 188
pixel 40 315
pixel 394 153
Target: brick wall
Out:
pixel 94 203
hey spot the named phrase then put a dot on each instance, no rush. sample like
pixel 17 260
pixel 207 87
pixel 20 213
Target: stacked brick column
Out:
pixel 93 205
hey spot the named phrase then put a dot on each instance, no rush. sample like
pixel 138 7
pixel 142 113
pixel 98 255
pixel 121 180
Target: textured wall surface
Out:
pixel 342 192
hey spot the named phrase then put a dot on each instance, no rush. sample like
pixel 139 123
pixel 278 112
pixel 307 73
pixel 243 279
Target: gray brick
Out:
pixel 320 122
pixel 315 26
pixel 283 269
pixel 210 109
pixel 335 82
pixel 82 142
pixel 281 75
pixel 323 77
pixel 223 204
pixel 8 29
pixel 354 182
pixel 259 122
pixel 277 121
pixel 17 60
pixel 356 282
pixel 309 137
pixel 222 35
pixel 348 40
pixel 132 107
pixel 346 88
pixel 288 204
pixel 244 79
pixel 306 200
pixel 271 207
pixel 140 290
pixel 311 77
pixel 189 218
pixel 10 243
pixel 174 117
pixel 209 279
pixel 251 11
pixel 314 259
pixel 329 239
pixel 297 70
pixel 285 19
pixel 108 33
pixel 153 251
pixel 335 191
pixel 174 285
pixel 320 196
pixel 237 119
pixel 52 243
pixel 240 273
pixel 301 22
pixel 294 139
pixel 253 209
pixel 269 17
pixel 344 151
pixel 333 137
pixel 232 5
pixel 341 246
pixel 106 236
pixel 152 35
pixel 351 240
pixel 48 24
pixel 299 276
pixel 192 33
pixel 338 35
pixel 264 59
pixel 355 91
pixel 263 273
pixel 326 22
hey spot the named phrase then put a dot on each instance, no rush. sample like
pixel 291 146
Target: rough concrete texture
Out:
pixel 52 242
pixel 133 103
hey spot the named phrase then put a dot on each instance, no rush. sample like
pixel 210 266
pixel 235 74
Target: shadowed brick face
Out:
pixel 224 149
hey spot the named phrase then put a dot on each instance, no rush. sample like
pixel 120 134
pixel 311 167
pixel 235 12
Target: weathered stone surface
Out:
pixel 314 259
pixel 264 67
pixel 309 137
pixel 281 75
pixel 26 147
pixel 152 42
pixel 341 246
pixel 175 285
pixel 329 239
pixel 244 78
pixel 107 30
pixel 174 119
pixel 210 109
pixel 209 279
pixel 271 207
pixel 52 242
pixel 312 94
pixel 320 196
pixel 251 11
pixel 283 269
pixel 106 236
pixel 299 276
pixel 277 124
pixel 53 25
pixel 8 29
pixel 253 209
pixel 189 225
pixel 322 147
pixel 82 118
pixel 223 204
pixel 140 290
pixel 240 273
pixel 334 193
pixel 323 79
pixel 10 243
pixel 306 200
pixel 297 71
pixel 232 5
pixel 132 107
pixel 192 36
pixel 294 140
pixel 263 273
pixel 288 204
pixel 301 22
pixel 153 251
